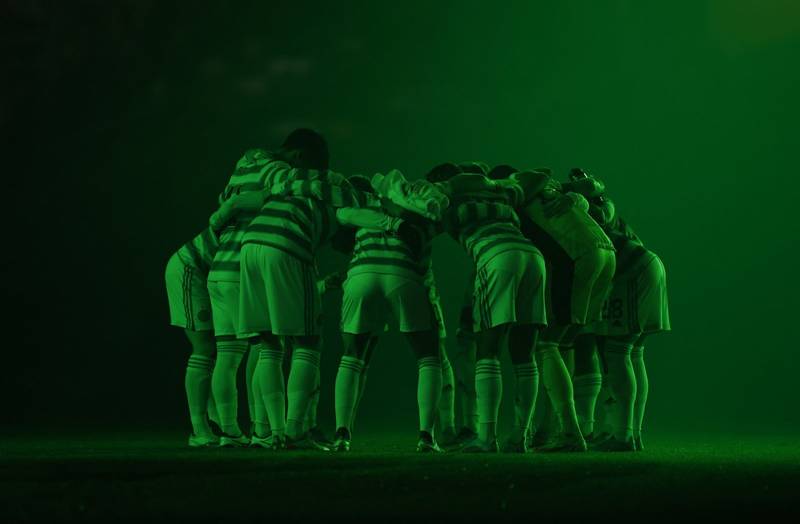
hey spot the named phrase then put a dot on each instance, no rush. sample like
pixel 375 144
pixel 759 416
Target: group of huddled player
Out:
pixel 559 279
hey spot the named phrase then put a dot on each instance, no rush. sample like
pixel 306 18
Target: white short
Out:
pixel 189 303
pixel 510 289
pixel 279 293
pixel 372 299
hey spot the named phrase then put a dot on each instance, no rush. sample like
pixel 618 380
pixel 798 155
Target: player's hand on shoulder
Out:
pixel 559 205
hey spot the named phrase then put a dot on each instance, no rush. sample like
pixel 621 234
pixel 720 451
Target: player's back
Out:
pixel 573 231
pixel 249 175
pixel 386 253
pixel 199 251
pixel 296 225
pixel 486 229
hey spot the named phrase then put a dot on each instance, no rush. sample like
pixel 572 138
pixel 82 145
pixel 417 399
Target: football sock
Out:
pixel 198 391
pixel 466 394
pixel 622 383
pixel 447 403
pixel 489 392
pixel 346 390
pixel 223 383
pixel 527 386
pixel 362 385
pixel 252 362
pixel 642 388
pixel 568 356
pixel 270 380
pixel 311 415
pixel 559 386
pixel 213 416
pixel 587 389
pixel 429 391
pixel 302 376
pixel 259 410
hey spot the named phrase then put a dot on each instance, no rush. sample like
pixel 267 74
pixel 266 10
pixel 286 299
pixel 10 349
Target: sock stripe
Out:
pixel 618 349
pixel 307 355
pixel 353 367
pixel 234 346
pixel 429 362
pixel 270 354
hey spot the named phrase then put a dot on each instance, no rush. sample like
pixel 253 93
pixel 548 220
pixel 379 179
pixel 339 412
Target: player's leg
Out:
pixel 303 377
pixel 372 343
pixel 250 368
pixel 269 382
pixel 425 345
pixel 447 420
pixel 230 352
pixel 190 309
pixel 653 317
pixel 262 432
pixel 257 301
pixel 586 382
pixel 364 311
pixel 622 384
pixel 416 317
pixel 488 387
pixel 464 367
pixel 346 391
pixel 522 340
pixel 558 385
pixel 197 382
pixel 642 390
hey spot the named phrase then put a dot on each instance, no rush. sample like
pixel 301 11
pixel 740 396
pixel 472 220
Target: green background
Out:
pixel 121 122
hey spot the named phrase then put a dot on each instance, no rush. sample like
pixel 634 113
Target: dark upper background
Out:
pixel 121 122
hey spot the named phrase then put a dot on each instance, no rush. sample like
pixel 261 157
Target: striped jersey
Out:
pixel 386 253
pixel 199 252
pixel 573 232
pixel 295 225
pixel 257 170
pixel 486 229
pixel 632 256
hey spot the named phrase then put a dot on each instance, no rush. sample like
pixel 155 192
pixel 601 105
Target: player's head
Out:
pixel 479 168
pixel 361 183
pixel 501 171
pixel 306 148
pixel 443 172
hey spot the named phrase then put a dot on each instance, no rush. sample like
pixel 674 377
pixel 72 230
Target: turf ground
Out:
pixel 146 476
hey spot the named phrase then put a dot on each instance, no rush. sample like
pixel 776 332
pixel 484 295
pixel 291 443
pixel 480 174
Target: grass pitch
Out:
pixel 147 476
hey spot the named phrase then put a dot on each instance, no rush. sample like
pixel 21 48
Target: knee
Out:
pixel 637 353
pixel 618 350
pixel 482 353
pixel 521 355
pixel 307 342
pixel 547 350
pixel 426 351
pixel 356 346
pixel 203 346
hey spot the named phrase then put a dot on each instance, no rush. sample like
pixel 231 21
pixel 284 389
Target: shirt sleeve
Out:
pixel 367 218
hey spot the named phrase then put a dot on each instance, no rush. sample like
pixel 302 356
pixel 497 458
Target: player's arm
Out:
pixel 524 186
pixel 249 201
pixel 277 171
pixel 331 281
pixel 603 211
pixel 420 197
pixel 337 193
pixel 589 187
pixel 368 218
